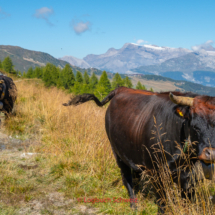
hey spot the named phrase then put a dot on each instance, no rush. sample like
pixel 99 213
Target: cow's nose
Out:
pixel 208 154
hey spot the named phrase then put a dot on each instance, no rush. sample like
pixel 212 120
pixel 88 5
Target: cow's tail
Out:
pixel 77 100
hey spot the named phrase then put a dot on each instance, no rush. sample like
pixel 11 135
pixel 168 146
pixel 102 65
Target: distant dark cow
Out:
pixel 8 94
pixel 129 122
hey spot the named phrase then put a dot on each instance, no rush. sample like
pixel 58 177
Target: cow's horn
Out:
pixel 181 100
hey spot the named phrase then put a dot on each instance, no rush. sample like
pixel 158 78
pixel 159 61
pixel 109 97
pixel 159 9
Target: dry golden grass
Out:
pixel 75 156
pixel 73 140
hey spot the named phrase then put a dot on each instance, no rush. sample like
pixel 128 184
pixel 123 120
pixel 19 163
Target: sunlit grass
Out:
pixel 77 154
pixel 75 157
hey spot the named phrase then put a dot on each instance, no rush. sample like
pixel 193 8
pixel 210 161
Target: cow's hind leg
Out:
pixel 127 179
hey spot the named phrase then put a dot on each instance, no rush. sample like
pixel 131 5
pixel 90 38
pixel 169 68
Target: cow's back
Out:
pixel 130 124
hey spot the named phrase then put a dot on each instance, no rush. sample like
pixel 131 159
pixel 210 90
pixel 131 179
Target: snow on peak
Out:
pixel 154 47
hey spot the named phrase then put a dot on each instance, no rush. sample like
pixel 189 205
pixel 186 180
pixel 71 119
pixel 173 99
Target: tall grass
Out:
pixel 170 193
pixel 74 143
pixel 78 156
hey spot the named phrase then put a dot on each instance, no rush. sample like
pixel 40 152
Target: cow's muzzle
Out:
pixel 207 155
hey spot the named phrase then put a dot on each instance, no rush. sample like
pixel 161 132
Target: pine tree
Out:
pixel 127 82
pixel 86 78
pixel 50 75
pixel 24 74
pixel 143 87
pixel 104 87
pixel 67 77
pixel 79 77
pixel 38 72
pixel 19 74
pixel 76 88
pixel 0 64
pixel 54 74
pixel 7 65
pixel 139 86
pixel 93 81
pixel 47 76
pixel 117 81
pixel 30 73
pixel 151 89
pixel 104 81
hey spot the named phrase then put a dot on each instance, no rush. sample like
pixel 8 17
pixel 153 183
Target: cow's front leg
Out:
pixel 187 186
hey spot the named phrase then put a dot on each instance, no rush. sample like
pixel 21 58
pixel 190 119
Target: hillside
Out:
pixel 23 59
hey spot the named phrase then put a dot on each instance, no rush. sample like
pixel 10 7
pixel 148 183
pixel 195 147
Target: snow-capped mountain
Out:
pixel 197 65
pixel 132 55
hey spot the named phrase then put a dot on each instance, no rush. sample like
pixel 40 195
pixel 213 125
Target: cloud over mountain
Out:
pixel 139 42
pixel 204 46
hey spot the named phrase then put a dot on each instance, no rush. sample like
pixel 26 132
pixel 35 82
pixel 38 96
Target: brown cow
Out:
pixel 8 94
pixel 129 121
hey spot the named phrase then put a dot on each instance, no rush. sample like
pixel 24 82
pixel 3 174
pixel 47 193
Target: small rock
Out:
pixel 27 155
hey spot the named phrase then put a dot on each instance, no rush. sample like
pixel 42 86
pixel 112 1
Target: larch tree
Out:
pixel 7 65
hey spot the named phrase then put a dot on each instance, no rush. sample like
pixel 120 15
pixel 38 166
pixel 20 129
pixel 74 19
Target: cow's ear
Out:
pixel 182 111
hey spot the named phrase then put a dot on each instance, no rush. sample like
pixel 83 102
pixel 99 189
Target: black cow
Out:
pixel 8 94
pixel 130 119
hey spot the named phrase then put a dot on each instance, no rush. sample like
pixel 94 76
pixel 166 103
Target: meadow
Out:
pixel 73 157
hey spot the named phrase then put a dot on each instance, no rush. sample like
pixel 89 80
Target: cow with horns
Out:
pixel 8 94
pixel 130 119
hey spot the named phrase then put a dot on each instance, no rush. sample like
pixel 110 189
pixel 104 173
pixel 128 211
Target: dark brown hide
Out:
pixel 130 126
pixel 10 94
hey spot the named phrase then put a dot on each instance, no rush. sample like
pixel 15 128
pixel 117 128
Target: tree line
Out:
pixel 74 83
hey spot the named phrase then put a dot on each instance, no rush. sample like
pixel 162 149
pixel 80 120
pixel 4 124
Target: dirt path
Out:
pixel 15 152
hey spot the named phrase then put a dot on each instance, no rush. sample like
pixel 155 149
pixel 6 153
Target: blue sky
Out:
pixel 81 27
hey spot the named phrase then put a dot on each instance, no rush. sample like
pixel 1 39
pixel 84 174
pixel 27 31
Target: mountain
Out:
pixel 131 56
pixel 75 61
pixel 197 67
pixel 186 64
pixel 23 59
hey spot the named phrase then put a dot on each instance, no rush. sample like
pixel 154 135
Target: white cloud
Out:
pixel 203 46
pixel 141 41
pixel 44 13
pixel 80 27
pixel 3 14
